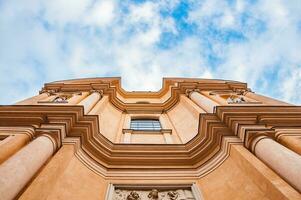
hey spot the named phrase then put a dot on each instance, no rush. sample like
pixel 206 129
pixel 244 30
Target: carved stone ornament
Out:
pixel 98 91
pixel 188 91
pixel 60 99
pixel 242 91
pixel 133 196
pixel 154 194
pixel 49 92
pixel 159 193
pixel 236 99
pixel 173 195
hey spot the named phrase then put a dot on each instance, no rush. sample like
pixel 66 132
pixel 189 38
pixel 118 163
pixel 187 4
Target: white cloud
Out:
pixel 101 14
pixel 43 41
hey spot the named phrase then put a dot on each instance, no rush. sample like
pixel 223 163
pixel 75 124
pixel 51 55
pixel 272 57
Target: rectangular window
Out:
pixel 146 124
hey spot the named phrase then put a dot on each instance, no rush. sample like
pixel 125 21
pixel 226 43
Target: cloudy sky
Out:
pixel 255 41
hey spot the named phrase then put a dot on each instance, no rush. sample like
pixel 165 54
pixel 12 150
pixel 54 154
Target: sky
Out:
pixel 253 41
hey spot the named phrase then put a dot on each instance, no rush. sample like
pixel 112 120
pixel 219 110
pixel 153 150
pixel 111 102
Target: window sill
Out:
pixel 132 131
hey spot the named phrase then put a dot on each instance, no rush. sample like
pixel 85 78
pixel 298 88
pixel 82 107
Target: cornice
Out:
pixel 112 87
pixel 251 124
pixel 200 155
pixel 206 151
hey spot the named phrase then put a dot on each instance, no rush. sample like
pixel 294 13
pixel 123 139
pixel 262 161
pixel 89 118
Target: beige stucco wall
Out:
pixel 241 176
pixel 109 119
pixel 65 177
pixel 185 119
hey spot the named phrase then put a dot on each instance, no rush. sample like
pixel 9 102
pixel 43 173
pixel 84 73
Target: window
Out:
pixel 146 124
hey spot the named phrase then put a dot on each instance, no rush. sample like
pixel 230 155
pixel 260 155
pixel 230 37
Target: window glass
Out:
pixel 145 124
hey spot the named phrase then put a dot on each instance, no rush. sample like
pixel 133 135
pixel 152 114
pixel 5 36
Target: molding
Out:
pixel 217 132
pixel 112 88
pixel 149 187
pixel 68 124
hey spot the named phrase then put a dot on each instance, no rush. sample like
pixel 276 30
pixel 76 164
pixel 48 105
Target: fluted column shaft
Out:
pixel 11 145
pixel 204 102
pixel 282 160
pixel 90 101
pixel 22 166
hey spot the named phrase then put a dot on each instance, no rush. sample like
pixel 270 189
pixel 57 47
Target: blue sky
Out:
pixel 254 41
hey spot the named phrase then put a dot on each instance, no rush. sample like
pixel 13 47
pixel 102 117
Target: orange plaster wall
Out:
pixel 184 121
pixel 109 121
pixel 243 176
pixel 65 177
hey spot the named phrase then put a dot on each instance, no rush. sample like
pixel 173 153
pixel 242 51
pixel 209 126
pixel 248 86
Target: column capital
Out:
pixel 254 139
pixel 189 91
pixel 48 92
pixel 242 92
pixel 53 135
pixel 97 91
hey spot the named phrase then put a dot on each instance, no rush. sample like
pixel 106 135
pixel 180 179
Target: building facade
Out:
pixel 193 139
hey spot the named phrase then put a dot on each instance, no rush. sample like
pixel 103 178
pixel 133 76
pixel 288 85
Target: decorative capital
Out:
pixel 189 91
pixel 242 92
pixel 98 91
pixel 49 92
pixel 255 138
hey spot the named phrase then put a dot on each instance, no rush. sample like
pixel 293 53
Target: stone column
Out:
pixel 293 142
pixel 11 145
pixel 282 160
pixel 204 102
pixel 90 101
pixel 19 169
pixel 76 98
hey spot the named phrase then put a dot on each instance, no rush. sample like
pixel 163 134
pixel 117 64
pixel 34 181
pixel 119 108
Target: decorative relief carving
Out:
pixel 236 99
pixel 173 195
pixel 133 196
pixel 153 194
pixel 60 99
pixel 49 92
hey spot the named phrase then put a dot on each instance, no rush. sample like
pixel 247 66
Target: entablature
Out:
pixel 207 150
pixel 147 102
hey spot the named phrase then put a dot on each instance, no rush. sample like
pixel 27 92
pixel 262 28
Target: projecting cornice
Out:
pixel 169 93
pixel 206 151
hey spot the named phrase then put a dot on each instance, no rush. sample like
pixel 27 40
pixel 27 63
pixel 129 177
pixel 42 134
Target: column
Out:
pixel 19 169
pixel 90 101
pixel 282 160
pixel 204 102
pixel 292 142
pixel 11 145
pixel 76 98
